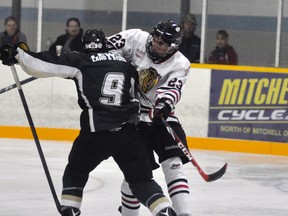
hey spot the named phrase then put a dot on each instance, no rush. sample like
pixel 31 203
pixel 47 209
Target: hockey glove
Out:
pixel 8 53
pixel 162 109
pixel 148 78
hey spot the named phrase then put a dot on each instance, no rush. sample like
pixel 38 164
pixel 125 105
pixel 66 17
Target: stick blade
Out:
pixel 214 176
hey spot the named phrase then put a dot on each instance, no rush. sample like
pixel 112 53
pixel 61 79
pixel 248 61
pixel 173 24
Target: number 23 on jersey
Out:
pixel 117 41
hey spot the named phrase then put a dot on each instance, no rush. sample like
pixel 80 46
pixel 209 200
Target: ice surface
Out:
pixel 254 185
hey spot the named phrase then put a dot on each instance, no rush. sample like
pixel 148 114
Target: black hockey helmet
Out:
pixel 170 32
pixel 94 40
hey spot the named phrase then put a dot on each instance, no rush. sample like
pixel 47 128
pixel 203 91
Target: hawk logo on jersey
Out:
pixel 148 78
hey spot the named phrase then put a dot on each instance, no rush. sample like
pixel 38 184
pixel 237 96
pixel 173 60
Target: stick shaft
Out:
pixel 36 139
pixel 10 87
pixel 184 149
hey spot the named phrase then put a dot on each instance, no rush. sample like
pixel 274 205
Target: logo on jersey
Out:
pixel 148 78
pixel 171 147
pixel 139 53
pixel 175 166
pixel 166 213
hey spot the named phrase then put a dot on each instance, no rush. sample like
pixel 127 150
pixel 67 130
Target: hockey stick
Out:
pixel 8 88
pixel 207 177
pixel 35 136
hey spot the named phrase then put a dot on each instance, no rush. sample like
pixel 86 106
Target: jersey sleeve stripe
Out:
pixel 172 99
pixel 171 93
pixel 167 95
pixel 166 88
pixel 173 96
pixel 173 90
pixel 177 93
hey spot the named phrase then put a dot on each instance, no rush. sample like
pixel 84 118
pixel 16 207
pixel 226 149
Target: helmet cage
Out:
pixel 170 32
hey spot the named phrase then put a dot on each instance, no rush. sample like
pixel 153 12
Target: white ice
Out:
pixel 254 185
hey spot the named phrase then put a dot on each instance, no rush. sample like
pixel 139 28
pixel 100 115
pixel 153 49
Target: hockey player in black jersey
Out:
pixel 109 113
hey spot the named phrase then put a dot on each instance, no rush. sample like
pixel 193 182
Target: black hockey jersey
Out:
pixel 104 84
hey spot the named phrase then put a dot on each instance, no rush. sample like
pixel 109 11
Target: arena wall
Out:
pixel 251 24
pixel 54 109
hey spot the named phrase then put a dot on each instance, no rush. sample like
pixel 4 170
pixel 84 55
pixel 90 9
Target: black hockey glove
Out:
pixel 162 108
pixel 8 53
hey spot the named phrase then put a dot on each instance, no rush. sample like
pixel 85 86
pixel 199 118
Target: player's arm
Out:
pixel 42 64
pixel 123 42
pixel 169 94
pixel 38 67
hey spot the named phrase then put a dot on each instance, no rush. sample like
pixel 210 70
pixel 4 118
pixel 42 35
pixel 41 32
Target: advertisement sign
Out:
pixel 247 105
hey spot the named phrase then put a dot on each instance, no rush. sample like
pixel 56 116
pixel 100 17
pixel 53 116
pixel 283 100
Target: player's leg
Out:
pixel 133 160
pixel 83 158
pixel 175 176
pixel 130 206
pixel 171 159
pixel 177 185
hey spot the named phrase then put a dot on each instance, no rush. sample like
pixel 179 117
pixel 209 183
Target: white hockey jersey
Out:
pixel 132 45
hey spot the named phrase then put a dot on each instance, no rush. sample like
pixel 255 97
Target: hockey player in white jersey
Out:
pixel 159 50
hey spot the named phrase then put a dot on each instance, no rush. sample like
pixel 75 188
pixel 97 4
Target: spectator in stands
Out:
pixel 71 41
pixel 190 46
pixel 11 35
pixel 223 53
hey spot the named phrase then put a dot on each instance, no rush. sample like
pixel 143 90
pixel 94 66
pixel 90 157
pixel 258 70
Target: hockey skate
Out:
pixel 71 212
pixel 168 211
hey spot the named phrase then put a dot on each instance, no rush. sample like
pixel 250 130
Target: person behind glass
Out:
pixel 71 41
pixel 190 46
pixel 11 35
pixel 223 53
